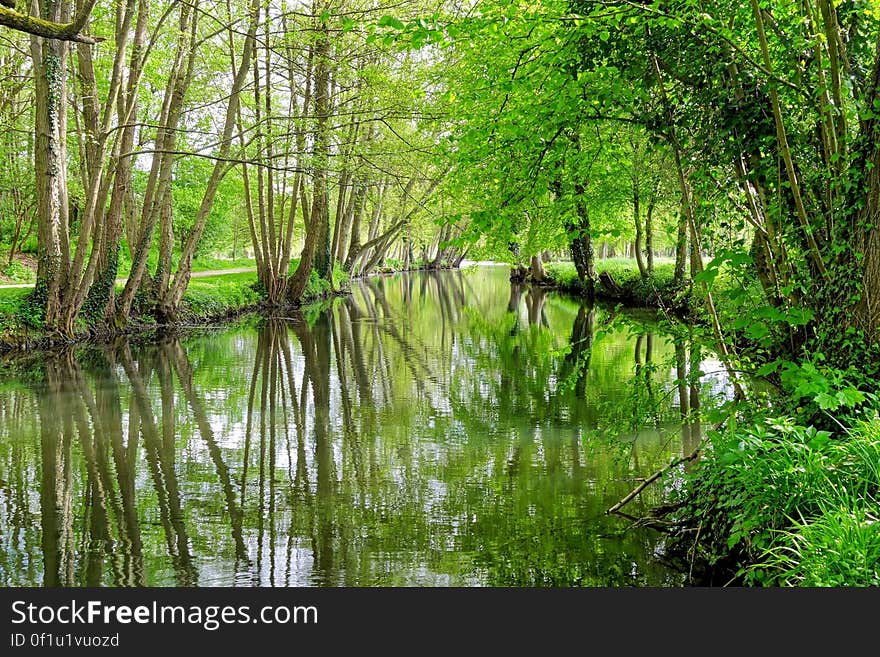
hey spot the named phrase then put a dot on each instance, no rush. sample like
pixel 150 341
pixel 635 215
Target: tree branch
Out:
pixel 48 29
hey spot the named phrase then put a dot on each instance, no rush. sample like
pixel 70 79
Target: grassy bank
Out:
pixel 631 289
pixel 23 268
pixel 787 492
pixel 207 300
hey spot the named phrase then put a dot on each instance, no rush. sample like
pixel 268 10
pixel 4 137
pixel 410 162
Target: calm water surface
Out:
pixel 432 429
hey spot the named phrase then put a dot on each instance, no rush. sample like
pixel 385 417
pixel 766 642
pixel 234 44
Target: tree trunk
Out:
pixel 581 245
pixel 681 246
pixel 649 229
pixel 354 248
pixel 323 258
pixel 316 250
pixel 866 223
pixel 160 176
pixel 537 269
pixel 637 217
pixel 170 299
pixel 50 162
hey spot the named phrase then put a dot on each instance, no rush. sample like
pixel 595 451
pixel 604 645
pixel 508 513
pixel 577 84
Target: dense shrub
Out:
pixel 776 502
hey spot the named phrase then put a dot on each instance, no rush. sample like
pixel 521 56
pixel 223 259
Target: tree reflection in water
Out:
pixel 443 428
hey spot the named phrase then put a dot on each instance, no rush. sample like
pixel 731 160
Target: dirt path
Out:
pixel 195 274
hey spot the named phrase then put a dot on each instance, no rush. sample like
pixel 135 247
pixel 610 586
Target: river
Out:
pixel 430 429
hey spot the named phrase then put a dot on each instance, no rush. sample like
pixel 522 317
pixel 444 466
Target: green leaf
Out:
pixel 820 440
pixel 850 397
pixel 799 316
pixel 706 276
pixel 768 368
pixel 391 21
pixel 827 402
pixel 756 331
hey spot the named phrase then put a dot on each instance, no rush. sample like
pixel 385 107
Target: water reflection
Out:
pixel 430 429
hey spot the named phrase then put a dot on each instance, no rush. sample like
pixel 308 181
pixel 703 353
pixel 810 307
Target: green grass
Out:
pixel 203 263
pixel 19 273
pixel 10 294
pixel 211 264
pixel 216 295
pixel 15 314
pixel 625 273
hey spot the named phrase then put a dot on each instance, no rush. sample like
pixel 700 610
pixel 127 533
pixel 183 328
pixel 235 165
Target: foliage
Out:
pixel 778 502
pixel 17 273
pixel 17 312
pixel 840 547
pixel 319 287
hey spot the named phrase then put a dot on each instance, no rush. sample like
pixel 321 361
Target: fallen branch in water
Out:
pixel 650 480
pixel 654 477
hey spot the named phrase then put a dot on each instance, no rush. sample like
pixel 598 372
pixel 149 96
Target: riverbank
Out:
pixel 777 501
pixel 785 492
pixel 218 298
pixel 208 301
pixel 621 282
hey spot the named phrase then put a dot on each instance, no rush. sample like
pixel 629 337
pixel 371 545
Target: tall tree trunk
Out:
pixel 102 297
pixel 320 215
pixel 581 244
pixel 681 246
pixel 316 250
pixel 537 269
pixel 50 162
pixel 865 229
pixel 354 247
pixel 649 228
pixel 170 299
pixel 160 176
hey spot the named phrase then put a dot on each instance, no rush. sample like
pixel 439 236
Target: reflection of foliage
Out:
pixel 422 430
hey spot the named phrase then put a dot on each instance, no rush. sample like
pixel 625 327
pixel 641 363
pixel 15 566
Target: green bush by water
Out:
pixel 788 504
